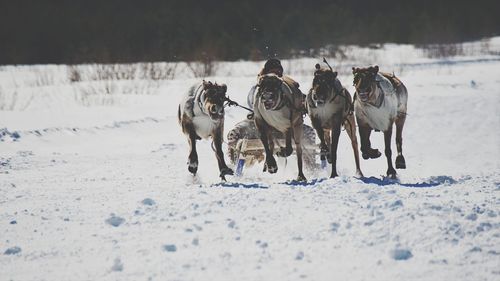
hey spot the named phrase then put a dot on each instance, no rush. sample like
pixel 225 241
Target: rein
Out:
pixel 229 102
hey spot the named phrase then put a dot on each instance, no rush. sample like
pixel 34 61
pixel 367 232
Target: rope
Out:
pixel 230 102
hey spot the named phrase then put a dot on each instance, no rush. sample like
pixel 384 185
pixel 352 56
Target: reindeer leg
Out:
pixel 270 164
pixel 270 140
pixel 391 173
pixel 321 135
pixel 287 150
pixel 335 133
pixel 190 131
pixel 193 155
pixel 366 150
pixel 350 127
pixel 297 136
pixel 224 170
pixel 328 142
pixel 400 160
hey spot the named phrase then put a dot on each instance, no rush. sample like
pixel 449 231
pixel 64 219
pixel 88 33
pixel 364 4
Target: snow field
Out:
pixel 101 191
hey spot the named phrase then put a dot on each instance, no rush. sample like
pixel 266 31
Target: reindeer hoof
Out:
pixel 400 162
pixel 391 174
pixel 301 178
pixel 329 158
pixel 271 166
pixel 325 154
pixel 284 152
pixel 226 171
pixel 272 170
pixel 371 154
pixel 193 167
pixel 359 174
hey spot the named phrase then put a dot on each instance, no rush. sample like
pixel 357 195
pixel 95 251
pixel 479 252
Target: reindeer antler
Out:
pixel 324 60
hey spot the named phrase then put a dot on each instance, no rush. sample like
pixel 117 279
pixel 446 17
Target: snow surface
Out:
pixel 96 187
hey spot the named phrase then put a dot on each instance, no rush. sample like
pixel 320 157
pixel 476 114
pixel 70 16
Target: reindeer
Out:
pixel 201 115
pixel 380 101
pixel 277 106
pixel 328 104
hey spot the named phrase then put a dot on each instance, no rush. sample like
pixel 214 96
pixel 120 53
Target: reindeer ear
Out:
pixel 335 73
pixel 317 66
pixel 373 69
pixel 355 70
pixel 223 88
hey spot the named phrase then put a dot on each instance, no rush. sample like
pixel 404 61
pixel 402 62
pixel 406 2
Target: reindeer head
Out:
pixel 323 86
pixel 213 98
pixel 270 91
pixel 364 81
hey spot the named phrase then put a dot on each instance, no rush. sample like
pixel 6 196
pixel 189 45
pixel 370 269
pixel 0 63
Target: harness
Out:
pixel 336 93
pixel 380 99
pixel 200 96
pixel 381 96
pixel 395 83
pixel 284 101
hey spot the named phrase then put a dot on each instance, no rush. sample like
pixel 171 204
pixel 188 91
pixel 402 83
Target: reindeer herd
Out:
pixel 380 101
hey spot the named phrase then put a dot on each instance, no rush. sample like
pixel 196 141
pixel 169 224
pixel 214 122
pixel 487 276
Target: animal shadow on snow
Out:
pixel 430 182
pixel 312 182
pixel 239 185
pixel 383 181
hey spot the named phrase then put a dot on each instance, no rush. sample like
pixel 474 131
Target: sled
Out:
pixel 245 148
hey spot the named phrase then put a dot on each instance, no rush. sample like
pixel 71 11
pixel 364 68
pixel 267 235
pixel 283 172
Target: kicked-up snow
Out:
pixel 99 190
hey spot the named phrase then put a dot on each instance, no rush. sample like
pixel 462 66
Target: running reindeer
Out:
pixel 277 106
pixel 201 115
pixel 329 106
pixel 379 102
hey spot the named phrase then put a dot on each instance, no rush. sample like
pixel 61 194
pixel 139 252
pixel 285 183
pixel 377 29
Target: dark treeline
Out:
pixel 78 31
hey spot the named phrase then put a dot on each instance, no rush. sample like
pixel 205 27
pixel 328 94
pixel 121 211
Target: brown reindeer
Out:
pixel 380 101
pixel 277 106
pixel 201 115
pixel 328 104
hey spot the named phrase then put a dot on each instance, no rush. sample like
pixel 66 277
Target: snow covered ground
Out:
pixel 94 186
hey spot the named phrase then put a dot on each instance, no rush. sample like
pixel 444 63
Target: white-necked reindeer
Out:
pixel 277 106
pixel 201 115
pixel 380 101
pixel 328 104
